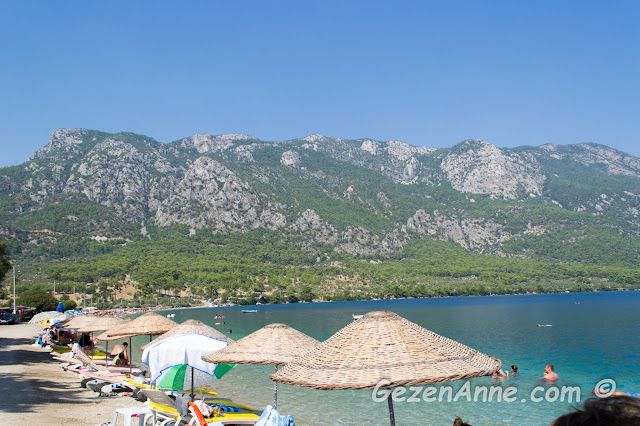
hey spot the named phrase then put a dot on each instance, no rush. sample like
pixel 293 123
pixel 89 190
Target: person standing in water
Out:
pixel 549 375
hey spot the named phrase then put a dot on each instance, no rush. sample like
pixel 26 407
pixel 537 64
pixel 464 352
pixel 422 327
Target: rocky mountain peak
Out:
pixel 610 160
pixel 615 161
pixel 204 143
pixel 315 138
pixel 238 183
pixel 62 138
pixel 403 151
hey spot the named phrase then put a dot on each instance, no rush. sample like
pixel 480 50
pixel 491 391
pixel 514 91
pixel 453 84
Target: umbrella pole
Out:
pixel 192 394
pixel 106 355
pixel 392 417
pixel 275 391
pixel 130 365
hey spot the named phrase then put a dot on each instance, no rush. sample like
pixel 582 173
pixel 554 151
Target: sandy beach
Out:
pixel 35 390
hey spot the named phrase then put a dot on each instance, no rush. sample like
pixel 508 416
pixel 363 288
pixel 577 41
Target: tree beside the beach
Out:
pixel 39 299
pixel 4 260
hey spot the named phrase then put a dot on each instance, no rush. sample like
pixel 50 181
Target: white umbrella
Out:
pixel 184 349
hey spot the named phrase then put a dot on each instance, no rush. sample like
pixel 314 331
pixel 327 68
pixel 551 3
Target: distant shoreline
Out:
pixel 403 298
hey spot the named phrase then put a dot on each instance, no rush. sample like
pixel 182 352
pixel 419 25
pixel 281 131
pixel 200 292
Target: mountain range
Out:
pixel 88 194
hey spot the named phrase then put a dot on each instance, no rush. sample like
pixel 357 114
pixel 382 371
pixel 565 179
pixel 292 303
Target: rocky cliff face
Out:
pixel 235 183
pixel 611 160
pixel 204 144
pixel 477 167
pixel 210 195
pixel 118 175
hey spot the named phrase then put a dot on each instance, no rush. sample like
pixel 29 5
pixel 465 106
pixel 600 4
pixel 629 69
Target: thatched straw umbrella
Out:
pixel 106 322
pixel 115 331
pixel 273 344
pixel 98 323
pixel 149 323
pixel 76 322
pixel 105 336
pixel 191 327
pixel 382 347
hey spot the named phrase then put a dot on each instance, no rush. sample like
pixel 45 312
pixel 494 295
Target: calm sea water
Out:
pixel 595 339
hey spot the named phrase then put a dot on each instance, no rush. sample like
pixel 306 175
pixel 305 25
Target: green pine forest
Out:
pixel 51 240
pixel 262 266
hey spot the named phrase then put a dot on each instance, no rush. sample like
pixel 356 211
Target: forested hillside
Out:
pixel 235 218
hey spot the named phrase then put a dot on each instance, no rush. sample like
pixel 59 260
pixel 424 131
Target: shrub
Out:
pixel 39 299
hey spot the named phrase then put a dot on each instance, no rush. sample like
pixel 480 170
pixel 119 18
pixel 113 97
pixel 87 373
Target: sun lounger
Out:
pixel 81 361
pixel 87 360
pixel 165 408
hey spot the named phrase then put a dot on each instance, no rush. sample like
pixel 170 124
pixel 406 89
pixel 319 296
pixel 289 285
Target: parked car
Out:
pixel 6 318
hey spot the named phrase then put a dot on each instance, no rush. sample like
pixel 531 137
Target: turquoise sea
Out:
pixel 594 336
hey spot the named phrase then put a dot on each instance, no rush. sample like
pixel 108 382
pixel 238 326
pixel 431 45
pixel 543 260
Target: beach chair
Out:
pixel 89 363
pixel 87 360
pixel 169 414
pixel 106 388
pixel 88 370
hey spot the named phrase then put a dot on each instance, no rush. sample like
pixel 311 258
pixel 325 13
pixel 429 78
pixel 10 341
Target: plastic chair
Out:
pixel 129 412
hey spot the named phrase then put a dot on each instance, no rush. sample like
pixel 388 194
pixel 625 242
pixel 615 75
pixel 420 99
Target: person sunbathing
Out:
pixel 120 354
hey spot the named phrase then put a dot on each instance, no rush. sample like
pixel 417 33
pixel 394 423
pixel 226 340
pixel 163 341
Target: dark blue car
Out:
pixel 6 318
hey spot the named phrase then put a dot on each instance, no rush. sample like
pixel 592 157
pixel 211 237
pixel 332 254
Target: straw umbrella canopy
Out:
pixel 191 327
pixel 384 348
pixel 100 323
pixel 104 336
pixel 149 323
pixel 76 322
pixel 273 344
pixel 115 331
pixel 97 323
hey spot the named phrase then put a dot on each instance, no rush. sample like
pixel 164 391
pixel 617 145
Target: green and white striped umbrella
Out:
pixel 178 377
pixel 184 350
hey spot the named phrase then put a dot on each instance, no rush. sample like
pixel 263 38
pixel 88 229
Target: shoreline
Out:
pixel 37 391
pixel 406 298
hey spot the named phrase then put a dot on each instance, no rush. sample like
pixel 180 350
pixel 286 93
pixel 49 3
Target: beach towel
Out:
pixel 226 408
pixel 270 417
pixel 182 405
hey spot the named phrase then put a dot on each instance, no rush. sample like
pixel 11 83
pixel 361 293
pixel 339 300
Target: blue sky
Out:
pixel 427 73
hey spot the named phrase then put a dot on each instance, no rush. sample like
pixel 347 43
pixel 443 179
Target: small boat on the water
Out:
pixel 545 325
pixel 355 317
pixel 249 311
